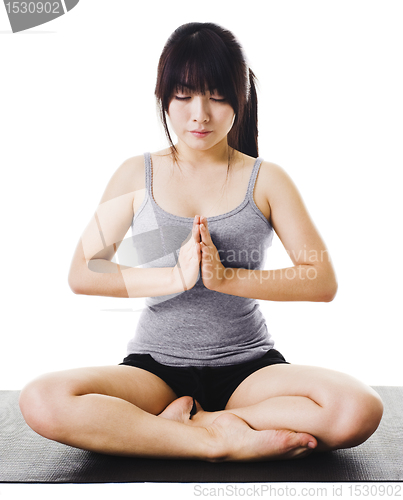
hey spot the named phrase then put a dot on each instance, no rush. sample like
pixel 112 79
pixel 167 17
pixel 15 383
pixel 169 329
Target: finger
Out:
pixel 203 220
pixel 205 234
pixel 205 252
pixel 196 233
pixel 195 225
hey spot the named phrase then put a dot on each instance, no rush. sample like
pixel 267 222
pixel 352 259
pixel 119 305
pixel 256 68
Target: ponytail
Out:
pixel 244 133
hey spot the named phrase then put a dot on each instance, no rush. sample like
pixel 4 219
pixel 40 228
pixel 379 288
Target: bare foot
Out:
pixel 204 418
pixel 236 441
pixel 179 410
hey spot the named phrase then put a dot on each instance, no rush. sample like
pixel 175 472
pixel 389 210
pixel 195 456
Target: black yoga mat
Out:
pixel 26 457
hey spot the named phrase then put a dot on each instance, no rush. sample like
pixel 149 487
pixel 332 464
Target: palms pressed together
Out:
pixel 198 250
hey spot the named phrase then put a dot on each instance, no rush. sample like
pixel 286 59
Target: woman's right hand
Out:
pixel 186 271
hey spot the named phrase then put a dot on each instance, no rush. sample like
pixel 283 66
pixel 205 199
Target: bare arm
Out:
pixel 312 277
pixel 92 271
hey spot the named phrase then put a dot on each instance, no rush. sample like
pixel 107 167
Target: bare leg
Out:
pixel 91 409
pixel 337 409
pixel 115 410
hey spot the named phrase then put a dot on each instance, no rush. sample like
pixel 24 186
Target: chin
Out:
pixel 199 145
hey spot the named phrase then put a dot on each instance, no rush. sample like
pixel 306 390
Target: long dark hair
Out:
pixel 205 56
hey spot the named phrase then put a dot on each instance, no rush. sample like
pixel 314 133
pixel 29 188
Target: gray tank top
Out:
pixel 201 327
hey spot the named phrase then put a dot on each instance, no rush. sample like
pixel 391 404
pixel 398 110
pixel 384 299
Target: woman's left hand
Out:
pixel 212 270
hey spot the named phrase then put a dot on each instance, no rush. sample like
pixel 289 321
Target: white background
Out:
pixel 77 100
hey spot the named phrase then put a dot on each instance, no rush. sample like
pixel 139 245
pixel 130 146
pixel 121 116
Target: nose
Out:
pixel 200 109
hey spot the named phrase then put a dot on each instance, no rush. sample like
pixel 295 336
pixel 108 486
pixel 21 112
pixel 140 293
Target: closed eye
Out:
pixel 180 98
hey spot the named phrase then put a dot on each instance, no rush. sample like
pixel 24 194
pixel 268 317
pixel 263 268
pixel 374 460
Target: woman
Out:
pixel 201 378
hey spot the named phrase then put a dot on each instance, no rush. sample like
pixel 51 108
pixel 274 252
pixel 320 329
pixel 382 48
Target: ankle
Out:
pixel 215 445
pixel 204 418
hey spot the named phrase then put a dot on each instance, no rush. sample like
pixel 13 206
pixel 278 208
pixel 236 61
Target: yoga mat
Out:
pixel 26 457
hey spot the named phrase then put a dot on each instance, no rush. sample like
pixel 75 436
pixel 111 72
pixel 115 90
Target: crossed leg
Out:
pixel 281 411
pixel 116 410
pixel 335 408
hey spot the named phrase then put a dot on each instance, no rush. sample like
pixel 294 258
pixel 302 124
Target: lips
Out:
pixel 200 133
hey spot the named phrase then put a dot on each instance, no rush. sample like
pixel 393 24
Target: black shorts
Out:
pixel 211 386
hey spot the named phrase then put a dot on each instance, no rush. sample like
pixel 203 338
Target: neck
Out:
pixel 200 159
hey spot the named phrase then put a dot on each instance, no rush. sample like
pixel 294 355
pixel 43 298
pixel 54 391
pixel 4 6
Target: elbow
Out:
pixel 329 292
pixel 83 279
pixel 75 282
pixel 328 297
pixel 326 288
pixel 74 285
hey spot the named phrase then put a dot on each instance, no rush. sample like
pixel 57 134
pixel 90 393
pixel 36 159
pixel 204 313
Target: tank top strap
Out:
pixel 253 176
pixel 251 185
pixel 148 172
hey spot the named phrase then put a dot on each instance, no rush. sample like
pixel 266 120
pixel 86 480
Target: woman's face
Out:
pixel 201 121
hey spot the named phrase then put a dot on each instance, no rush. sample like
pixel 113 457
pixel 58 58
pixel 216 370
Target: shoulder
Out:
pixel 127 178
pixel 273 171
pixel 278 186
pixel 271 176
pixel 280 192
pixel 131 170
pixel 275 176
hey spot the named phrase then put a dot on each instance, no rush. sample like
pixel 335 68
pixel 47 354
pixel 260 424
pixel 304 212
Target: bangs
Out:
pixel 200 63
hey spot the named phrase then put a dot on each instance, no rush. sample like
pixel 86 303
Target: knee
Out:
pixel 39 404
pixel 358 417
